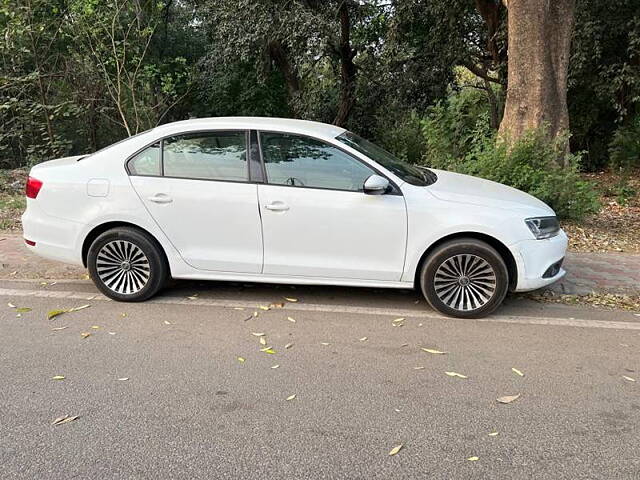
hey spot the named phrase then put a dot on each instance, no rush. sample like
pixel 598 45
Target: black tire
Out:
pixel 146 274
pixel 469 268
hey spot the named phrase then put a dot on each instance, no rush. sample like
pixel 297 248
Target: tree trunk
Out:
pixel 278 55
pixel 539 33
pixel 347 69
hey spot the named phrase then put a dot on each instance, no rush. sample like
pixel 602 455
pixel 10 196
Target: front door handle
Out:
pixel 160 198
pixel 277 207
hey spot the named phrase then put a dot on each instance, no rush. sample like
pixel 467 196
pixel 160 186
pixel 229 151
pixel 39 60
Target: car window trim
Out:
pixel 395 190
pixel 161 142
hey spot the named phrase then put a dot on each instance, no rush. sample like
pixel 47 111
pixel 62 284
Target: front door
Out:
pixel 197 191
pixel 316 220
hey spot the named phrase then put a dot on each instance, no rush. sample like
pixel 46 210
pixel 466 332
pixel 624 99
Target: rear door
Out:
pixel 196 187
pixel 316 219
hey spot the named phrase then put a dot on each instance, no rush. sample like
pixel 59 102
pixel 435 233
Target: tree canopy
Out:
pixel 76 75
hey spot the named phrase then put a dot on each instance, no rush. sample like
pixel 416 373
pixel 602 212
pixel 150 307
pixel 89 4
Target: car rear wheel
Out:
pixel 464 278
pixel 127 264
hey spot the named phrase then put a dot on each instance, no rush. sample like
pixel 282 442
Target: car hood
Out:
pixel 459 188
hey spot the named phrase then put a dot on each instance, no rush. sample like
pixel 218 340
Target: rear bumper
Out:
pixel 534 257
pixel 55 238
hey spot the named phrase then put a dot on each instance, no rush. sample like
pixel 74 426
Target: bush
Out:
pixel 529 165
pixel 624 149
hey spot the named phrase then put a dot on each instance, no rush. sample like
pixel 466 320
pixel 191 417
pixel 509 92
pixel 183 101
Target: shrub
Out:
pixel 529 165
pixel 624 149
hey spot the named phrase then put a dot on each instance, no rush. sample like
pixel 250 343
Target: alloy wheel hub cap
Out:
pixel 465 282
pixel 123 267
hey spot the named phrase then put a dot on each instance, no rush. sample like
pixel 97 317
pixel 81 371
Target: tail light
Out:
pixel 33 187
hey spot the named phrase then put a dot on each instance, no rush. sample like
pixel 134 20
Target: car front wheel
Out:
pixel 127 265
pixel 464 278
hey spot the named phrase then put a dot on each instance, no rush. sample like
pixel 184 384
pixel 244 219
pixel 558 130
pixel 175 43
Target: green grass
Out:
pixel 11 208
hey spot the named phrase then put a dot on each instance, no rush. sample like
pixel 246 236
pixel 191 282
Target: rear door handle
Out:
pixel 160 198
pixel 277 207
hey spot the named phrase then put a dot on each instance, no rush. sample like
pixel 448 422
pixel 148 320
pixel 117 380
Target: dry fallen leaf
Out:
pixel 95 327
pixel 268 350
pixel 401 319
pixel 11 305
pixel 241 359
pixel 629 378
pixel 263 307
pixel 473 459
pixel 54 313
pixel 431 350
pixel 493 434
pixel 55 329
pixel 263 341
pixel 23 309
pixel 293 320
pixel 325 343
pixel 456 374
pixel 193 297
pixel 253 315
pixel 85 334
pixel 508 398
pixel 288 345
pixel 276 305
pixel 166 322
pixel 291 397
pixel 418 368
pixel 58 377
pixel 275 366
pixel 123 379
pixel 111 333
pixel 404 345
pixel 65 419
pixel 258 334
pixel 395 450
pixel 517 372
pixel 292 300
pixel 363 339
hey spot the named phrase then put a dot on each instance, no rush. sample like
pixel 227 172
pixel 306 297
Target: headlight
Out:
pixel 543 227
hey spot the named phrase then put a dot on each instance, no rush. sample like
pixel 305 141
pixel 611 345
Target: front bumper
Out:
pixel 534 257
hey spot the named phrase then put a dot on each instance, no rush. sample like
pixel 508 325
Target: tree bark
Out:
pixel 539 35
pixel 347 68
pixel 278 55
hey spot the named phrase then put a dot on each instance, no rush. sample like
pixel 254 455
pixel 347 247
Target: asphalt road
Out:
pixel 190 409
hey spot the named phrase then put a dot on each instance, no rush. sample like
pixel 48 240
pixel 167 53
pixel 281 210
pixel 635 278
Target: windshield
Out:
pixel 409 173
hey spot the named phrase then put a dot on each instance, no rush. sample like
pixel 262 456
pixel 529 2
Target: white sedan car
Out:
pixel 287 201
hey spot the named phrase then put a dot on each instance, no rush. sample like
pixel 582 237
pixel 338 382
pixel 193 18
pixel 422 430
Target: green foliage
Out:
pixel 530 165
pixel 454 126
pixel 624 149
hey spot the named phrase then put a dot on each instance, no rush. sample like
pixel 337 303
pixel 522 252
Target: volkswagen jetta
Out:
pixel 287 201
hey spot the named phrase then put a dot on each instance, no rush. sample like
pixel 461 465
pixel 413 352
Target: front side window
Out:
pixel 208 156
pixel 147 162
pixel 306 162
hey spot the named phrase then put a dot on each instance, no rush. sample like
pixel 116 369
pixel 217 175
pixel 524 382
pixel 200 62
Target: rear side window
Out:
pixel 147 162
pixel 209 156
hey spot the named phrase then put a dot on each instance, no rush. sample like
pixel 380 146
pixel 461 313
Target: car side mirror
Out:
pixel 375 185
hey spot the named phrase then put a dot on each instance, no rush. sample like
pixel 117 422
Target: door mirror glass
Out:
pixel 376 185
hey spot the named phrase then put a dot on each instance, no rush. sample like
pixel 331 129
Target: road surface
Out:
pixel 189 408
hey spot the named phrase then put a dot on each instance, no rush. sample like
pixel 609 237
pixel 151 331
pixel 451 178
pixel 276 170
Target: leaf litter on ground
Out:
pixel 65 419
pixel 56 313
pixel 456 374
pixel 395 450
pixel 508 398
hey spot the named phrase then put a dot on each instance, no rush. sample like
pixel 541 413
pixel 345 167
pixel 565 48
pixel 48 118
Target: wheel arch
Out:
pixel 103 227
pixel 501 248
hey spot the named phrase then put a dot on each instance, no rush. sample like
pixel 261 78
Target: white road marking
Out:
pixel 311 307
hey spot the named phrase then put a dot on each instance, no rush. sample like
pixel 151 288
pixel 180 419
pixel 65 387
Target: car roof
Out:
pixel 304 127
